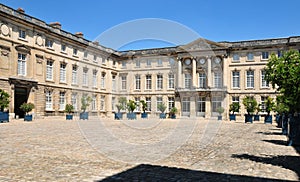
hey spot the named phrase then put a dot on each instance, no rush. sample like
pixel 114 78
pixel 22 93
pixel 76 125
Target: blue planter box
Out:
pixel 118 116
pixel 84 115
pixel 279 121
pixel 4 117
pixel 69 117
pixel 144 115
pixel 131 115
pixel 173 116
pixel 294 130
pixel 284 124
pixel 248 118
pixel 256 117
pixel 268 119
pixel 28 117
pixel 232 117
pixel 219 118
pixel 162 116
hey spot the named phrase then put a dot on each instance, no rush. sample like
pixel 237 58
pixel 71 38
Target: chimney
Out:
pixel 21 10
pixel 56 25
pixel 79 34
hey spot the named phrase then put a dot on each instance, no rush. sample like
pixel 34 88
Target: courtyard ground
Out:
pixel 53 149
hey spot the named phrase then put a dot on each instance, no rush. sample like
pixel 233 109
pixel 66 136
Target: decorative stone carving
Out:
pixel 5 30
pixel 39 40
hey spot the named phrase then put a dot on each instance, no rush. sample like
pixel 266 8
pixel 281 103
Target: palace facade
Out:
pixel 45 65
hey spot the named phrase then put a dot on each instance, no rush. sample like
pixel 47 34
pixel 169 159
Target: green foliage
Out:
pixel 280 106
pixel 220 110
pixel 85 102
pixel 270 104
pixel 121 103
pixel 161 107
pixel 4 100
pixel 173 110
pixel 258 109
pixel 131 105
pixel 144 105
pixel 27 107
pixel 284 72
pixel 69 108
pixel 250 104
pixel 234 107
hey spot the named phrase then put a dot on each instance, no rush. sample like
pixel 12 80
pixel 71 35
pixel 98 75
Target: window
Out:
pixel 148 62
pixel 202 80
pixel 148 102
pixel 235 99
pixel 22 34
pixel 250 79
pixel 235 79
pixel 102 103
pixel 263 104
pixel 85 77
pixel 103 61
pixel 49 43
pixel 137 63
pixel 137 82
pixel 95 58
pixel 236 57
pixel 148 82
pixel 21 64
pixel 216 103
pixel 61 101
pixel 62 72
pixel 95 78
pixel 171 81
pixel 123 64
pixel 264 82
pixel 74 101
pixel 217 80
pixel 171 61
pixel 171 102
pixel 250 56
pixel 75 51
pixel 123 82
pixel 158 102
pixel 94 103
pixel 201 104
pixel 103 80
pixel 113 103
pixel 185 105
pixel 85 54
pixel 63 48
pixel 264 55
pixel 159 62
pixel 137 102
pixel 48 100
pixel 187 80
pixel 114 84
pixel 74 74
pixel 159 82
pixel 49 70
pixel 279 54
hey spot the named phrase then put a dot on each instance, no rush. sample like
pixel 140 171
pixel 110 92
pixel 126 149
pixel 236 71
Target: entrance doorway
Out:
pixel 21 96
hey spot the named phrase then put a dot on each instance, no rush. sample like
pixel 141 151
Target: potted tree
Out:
pixel 220 110
pixel 250 104
pixel 120 106
pixel 69 109
pixel 4 102
pixel 269 107
pixel 233 107
pixel 144 108
pixel 172 112
pixel 27 107
pixel 85 103
pixel 256 115
pixel 162 108
pixel 131 106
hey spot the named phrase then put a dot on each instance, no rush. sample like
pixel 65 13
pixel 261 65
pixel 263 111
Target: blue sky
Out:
pixel 217 20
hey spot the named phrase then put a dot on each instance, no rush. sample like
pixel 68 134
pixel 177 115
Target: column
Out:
pixel 209 75
pixel 108 104
pixel 194 73
pixel 179 74
pixel 207 107
pixel 193 106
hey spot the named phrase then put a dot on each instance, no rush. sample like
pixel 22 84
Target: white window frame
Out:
pixel 265 55
pixel 102 102
pixel 250 79
pixel 201 104
pixel 103 80
pixel 159 100
pixel 22 65
pixel 75 52
pixel 171 103
pixel 74 101
pixel 123 82
pixel 85 77
pixel 264 83
pixel 22 34
pixel 159 82
pixel 74 74
pixel 202 80
pixel 148 82
pixel 171 81
pixel 63 73
pixel 94 103
pixel 235 79
pixel 137 82
pixel 217 79
pixel 49 43
pixel 250 56
pixel 95 78
pixel 49 70
pixel 62 101
pixel 63 48
pixel 235 57
pixel 114 82
pixel 187 80
pixel 148 102
pixel 49 99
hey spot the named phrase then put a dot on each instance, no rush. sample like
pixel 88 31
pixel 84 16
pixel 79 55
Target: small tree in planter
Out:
pixel 27 107
pixel 172 112
pixel 4 102
pixel 144 107
pixel 131 106
pixel 220 110
pixel 69 109
pixel 85 103
pixel 256 115
pixel 234 107
pixel 162 108
pixel 250 104
pixel 270 104
pixel 120 106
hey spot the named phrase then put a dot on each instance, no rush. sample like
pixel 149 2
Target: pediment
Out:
pixel 23 48
pixel 203 45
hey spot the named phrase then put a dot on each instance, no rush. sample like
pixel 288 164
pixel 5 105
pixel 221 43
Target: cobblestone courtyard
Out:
pixel 145 150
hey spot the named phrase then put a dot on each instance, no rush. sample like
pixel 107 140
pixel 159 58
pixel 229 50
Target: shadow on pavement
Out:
pixel 145 172
pixel 270 133
pixel 277 142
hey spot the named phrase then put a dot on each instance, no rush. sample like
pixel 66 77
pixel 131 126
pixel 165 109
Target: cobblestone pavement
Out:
pixel 59 150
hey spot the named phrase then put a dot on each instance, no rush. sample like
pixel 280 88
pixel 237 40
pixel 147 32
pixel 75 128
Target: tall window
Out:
pixel 95 58
pixel 265 55
pixel 250 56
pixel 113 103
pixel 63 48
pixel 103 80
pixel 74 101
pixel 62 72
pixel 187 80
pixel 148 102
pixel 123 82
pixel 217 80
pixel 236 57
pixel 171 103
pixel 85 54
pixel 159 81
pixel 250 79
pixel 94 78
pixel 202 80
pixel 21 64
pixel 75 51
pixel 114 84
pixel 48 43
pixel 137 63
pixel 159 62
pixel 85 77
pixel 61 101
pixel 137 101
pixel 186 105
pixel 123 64
pixel 94 103
pixel 49 70
pixel 279 53
pixel 263 103
pixel 264 82
pixel 137 82
pixel 148 82
pixel 216 103
pixel 158 102
pixel 22 34
pixel 74 74
pixel 102 103
pixel 171 81
pixel 235 79
pixel 49 100
pixel 201 104
pixel 148 62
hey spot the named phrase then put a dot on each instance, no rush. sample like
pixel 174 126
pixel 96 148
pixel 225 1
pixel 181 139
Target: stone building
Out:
pixel 45 65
